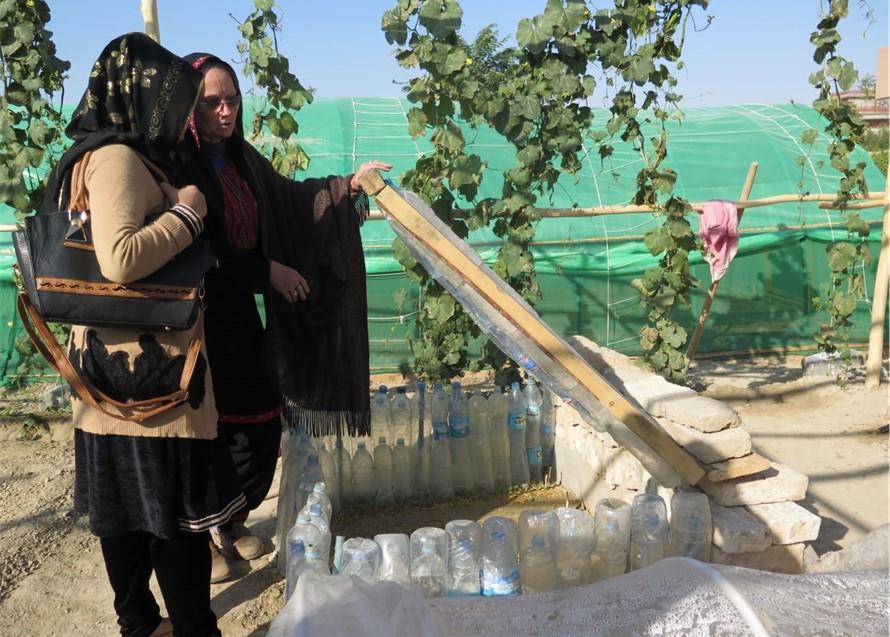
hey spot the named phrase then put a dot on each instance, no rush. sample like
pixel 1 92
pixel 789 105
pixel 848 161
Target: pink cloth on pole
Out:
pixel 719 229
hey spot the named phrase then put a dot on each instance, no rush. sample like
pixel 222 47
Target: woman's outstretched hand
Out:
pixel 355 183
pixel 288 282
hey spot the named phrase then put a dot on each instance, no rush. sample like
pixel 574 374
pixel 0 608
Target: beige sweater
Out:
pixel 122 192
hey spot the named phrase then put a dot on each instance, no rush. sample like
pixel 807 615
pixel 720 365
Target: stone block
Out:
pixel 654 393
pixel 786 558
pixel 736 531
pixel 700 412
pixel 777 484
pixel 788 523
pixel 733 442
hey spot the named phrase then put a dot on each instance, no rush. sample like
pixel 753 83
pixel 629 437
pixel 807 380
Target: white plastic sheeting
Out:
pixel 674 597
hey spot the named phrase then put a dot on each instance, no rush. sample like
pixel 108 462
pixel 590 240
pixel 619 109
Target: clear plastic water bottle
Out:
pixel 538 572
pixel 648 530
pixel 361 557
pixel 401 471
pixel 500 569
pixel 480 443
pixel 459 433
pixel 464 557
pixel 321 492
pixel 548 435
pixel 305 531
pixel 343 462
pixel 383 472
pixel 574 547
pixel 440 451
pixel 420 461
pixel 500 442
pixel 310 475
pixel 395 564
pixel 363 479
pixel 381 422
pixel 534 403
pixel 317 517
pixel 296 566
pixel 516 423
pixel 508 526
pixel 401 415
pixel 612 529
pixel 331 480
pixel 428 550
pixel 690 532
pixel 288 491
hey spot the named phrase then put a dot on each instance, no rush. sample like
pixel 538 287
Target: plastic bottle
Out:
pixel 538 572
pixel 459 433
pixel 500 569
pixel 480 443
pixel 500 443
pixel 296 566
pixel 321 492
pixel 317 517
pixel 381 424
pixel 548 436
pixel 395 564
pixel 464 557
pixel 331 481
pixel 288 496
pixel 361 557
pixel 574 547
pixel 690 531
pixel 311 474
pixel 363 479
pixel 534 403
pixel 383 472
pixel 401 415
pixel 648 530
pixel 440 451
pixel 420 461
pixel 343 462
pixel 304 530
pixel 428 569
pixel 612 529
pixel 516 422
pixel 508 526
pixel 401 471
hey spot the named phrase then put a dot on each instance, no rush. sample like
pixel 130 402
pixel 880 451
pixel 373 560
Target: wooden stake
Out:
pixel 150 17
pixel 712 290
pixel 879 303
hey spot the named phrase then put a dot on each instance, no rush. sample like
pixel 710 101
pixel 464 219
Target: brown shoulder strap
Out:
pixel 135 411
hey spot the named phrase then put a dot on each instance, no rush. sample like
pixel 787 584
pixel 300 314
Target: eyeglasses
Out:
pixel 214 103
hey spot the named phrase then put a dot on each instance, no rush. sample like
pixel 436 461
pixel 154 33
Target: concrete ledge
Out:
pixel 733 442
pixel 777 484
pixel 788 523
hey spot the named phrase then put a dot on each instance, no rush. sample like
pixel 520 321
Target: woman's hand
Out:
pixel 355 183
pixel 190 196
pixel 288 282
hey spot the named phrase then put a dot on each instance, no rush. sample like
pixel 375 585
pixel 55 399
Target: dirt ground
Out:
pixel 52 581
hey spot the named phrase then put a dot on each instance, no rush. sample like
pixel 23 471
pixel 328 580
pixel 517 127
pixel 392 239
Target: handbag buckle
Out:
pixel 17 277
pixel 77 230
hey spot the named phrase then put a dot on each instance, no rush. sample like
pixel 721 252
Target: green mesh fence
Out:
pixel 586 263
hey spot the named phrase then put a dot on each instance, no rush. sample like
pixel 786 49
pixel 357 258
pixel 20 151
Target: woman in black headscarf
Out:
pixel 297 243
pixel 151 489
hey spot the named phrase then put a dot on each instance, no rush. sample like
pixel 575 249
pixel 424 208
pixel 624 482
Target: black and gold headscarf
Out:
pixel 138 94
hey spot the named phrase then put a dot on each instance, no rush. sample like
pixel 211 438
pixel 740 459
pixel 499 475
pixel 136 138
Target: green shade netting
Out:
pixel 586 263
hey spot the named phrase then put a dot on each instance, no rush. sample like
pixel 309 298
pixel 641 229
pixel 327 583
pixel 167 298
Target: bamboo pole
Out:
pixel 150 17
pixel 879 304
pixel 712 289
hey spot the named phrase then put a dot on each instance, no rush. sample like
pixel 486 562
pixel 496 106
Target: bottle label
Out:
pixel 494 585
pixel 535 456
pixel 440 429
pixel 460 427
pixel 534 410
pixel 547 429
pixel 516 422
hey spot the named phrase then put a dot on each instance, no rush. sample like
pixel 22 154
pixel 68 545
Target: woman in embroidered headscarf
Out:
pixel 297 243
pixel 151 489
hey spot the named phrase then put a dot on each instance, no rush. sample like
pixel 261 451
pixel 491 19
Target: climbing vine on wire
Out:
pixel 274 127
pixel 846 259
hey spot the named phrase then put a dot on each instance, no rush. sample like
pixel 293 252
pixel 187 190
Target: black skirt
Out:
pixel 160 485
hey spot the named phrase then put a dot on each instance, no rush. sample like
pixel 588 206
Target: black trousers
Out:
pixel 254 447
pixel 182 567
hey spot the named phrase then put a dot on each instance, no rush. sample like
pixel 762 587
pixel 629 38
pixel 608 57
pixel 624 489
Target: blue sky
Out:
pixel 753 51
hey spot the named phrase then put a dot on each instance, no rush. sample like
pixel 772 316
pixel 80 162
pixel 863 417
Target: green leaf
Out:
pixel 439 309
pixel 841 256
pixel 449 137
pixel 441 17
pixel 417 121
pixel 657 240
pixel 532 34
pixel 844 304
pixel 466 174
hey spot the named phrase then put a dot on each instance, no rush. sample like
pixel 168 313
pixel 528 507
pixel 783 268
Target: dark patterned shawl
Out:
pixel 319 347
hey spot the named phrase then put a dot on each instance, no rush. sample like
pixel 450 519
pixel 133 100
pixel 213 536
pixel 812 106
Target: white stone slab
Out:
pixel 700 412
pixel 733 442
pixel 788 523
pixel 737 531
pixel 787 558
pixel 779 483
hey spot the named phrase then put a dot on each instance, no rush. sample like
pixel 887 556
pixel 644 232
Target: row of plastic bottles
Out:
pixel 547 550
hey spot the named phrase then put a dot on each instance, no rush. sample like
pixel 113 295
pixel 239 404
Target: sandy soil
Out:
pixel 52 581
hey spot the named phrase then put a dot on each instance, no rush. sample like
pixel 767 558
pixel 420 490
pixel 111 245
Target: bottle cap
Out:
pixel 455 384
pixel 400 441
pixel 382 389
pixel 400 389
pixel 319 487
pixel 381 440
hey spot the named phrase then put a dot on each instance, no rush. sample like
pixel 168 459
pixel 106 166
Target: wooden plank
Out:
pixel 879 304
pixel 487 285
pixel 737 467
